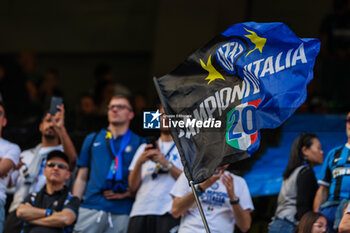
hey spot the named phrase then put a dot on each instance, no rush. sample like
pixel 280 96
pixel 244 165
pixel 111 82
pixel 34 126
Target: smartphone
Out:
pixel 53 105
pixel 152 140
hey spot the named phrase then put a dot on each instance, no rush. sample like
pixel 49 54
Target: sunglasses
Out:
pixel 59 165
pixel 347 120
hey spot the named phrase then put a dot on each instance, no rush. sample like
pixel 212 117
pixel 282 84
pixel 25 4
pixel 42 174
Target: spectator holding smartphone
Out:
pixel 153 171
pixel 29 177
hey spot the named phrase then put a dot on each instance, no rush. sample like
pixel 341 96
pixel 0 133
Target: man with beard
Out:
pixel 30 176
pixel 9 156
pixel 334 188
pixel 153 173
pixel 103 172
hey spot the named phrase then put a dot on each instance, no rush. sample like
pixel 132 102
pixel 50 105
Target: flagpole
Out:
pixel 200 207
pixel 172 131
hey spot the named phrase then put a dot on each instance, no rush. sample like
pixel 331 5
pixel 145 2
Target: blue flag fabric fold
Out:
pixel 252 76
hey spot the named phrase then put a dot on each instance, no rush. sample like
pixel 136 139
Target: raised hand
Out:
pixel 210 181
pixel 58 118
pixel 227 179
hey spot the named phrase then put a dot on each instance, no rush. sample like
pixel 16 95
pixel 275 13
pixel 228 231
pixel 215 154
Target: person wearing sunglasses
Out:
pixel 53 208
pixel 334 188
pixel 29 174
pixel 9 158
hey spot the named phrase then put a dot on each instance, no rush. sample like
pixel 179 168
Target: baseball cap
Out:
pixel 59 154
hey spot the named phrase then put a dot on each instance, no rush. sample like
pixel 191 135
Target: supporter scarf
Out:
pixel 114 179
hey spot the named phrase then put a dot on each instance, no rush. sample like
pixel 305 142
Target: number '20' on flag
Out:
pixel 251 76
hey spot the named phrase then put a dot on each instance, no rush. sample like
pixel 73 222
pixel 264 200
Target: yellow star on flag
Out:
pixel 213 73
pixel 257 40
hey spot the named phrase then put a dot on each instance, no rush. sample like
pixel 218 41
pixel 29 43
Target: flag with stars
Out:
pixel 251 76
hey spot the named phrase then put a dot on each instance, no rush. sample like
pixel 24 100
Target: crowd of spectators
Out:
pixel 121 182
pixel 118 175
pixel 91 170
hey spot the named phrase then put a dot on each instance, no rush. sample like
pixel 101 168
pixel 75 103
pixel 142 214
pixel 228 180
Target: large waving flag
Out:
pixel 252 76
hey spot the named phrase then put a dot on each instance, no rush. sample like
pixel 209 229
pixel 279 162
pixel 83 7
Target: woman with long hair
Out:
pixel 299 184
pixel 312 222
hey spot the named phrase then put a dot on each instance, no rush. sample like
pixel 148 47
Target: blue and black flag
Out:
pixel 252 76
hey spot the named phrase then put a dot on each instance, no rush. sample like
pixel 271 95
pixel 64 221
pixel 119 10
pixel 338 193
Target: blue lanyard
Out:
pixel 116 169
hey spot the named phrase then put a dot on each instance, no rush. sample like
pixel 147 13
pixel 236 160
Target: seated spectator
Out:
pixel 27 61
pixel 105 87
pixel 312 222
pixel 141 105
pixel 153 172
pixel 299 184
pixel 225 199
pixel 53 208
pixel 29 176
pixel 50 86
pixel 87 105
pixel 86 119
pixel 9 156
pixel 108 90
pixel 334 188
pixel 344 226
pixel 14 90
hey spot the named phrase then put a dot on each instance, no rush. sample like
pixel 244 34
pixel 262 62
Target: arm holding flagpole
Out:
pixel 182 204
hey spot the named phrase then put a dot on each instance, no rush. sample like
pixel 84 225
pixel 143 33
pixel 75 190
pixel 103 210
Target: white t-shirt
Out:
pixel 18 176
pixel 10 151
pixel 153 197
pixel 216 205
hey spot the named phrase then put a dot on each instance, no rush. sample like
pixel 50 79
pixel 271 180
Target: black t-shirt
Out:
pixel 306 190
pixel 57 201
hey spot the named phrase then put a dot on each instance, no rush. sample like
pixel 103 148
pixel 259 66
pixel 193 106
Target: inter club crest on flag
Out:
pixel 251 76
pixel 151 120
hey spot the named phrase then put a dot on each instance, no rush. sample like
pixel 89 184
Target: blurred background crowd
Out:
pixel 86 51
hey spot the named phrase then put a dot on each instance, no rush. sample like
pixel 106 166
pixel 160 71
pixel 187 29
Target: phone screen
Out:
pixel 151 140
pixel 54 102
